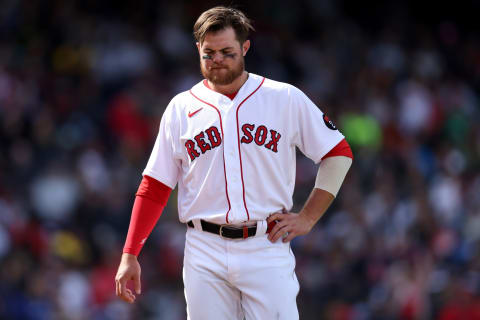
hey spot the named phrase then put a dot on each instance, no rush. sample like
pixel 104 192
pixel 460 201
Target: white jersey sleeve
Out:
pixel 164 164
pixel 316 134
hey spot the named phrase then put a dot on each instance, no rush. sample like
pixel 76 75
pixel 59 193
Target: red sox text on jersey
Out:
pixel 211 138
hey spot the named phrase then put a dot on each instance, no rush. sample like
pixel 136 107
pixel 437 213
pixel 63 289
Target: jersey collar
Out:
pixel 215 98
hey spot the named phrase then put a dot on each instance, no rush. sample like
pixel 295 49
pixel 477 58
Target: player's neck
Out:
pixel 232 87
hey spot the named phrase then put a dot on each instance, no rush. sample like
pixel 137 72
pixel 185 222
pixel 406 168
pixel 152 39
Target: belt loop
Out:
pixel 245 232
pixel 197 224
pixel 261 227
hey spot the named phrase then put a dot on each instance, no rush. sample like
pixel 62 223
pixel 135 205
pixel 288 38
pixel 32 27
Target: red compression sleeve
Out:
pixel 151 198
pixel 341 149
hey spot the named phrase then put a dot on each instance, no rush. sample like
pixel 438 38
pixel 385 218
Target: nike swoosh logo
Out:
pixel 191 114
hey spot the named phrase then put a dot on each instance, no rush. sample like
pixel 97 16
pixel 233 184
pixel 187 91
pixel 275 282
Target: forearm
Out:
pixel 289 225
pixel 331 173
pixel 316 205
pixel 330 177
pixel 145 214
pixel 152 196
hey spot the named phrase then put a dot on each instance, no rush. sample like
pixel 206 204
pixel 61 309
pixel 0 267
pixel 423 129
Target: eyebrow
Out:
pixel 227 48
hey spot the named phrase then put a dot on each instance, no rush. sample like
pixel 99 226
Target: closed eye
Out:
pixel 226 52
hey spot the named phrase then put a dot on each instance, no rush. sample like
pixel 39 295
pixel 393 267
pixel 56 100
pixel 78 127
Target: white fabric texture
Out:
pixel 236 279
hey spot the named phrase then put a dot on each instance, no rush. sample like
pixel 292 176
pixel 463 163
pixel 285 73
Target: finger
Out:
pixel 280 233
pixel 117 289
pixel 127 296
pixel 275 229
pixel 276 216
pixel 127 299
pixel 289 237
pixel 271 218
pixel 122 285
pixel 124 297
pixel 131 297
pixel 137 283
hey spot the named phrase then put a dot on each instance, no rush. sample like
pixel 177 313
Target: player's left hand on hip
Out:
pixel 289 225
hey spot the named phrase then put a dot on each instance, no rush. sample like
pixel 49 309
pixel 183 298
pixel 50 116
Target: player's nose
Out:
pixel 217 57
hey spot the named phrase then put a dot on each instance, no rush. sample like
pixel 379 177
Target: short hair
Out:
pixel 220 18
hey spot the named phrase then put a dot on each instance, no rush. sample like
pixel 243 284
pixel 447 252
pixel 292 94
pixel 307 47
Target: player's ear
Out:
pixel 198 46
pixel 245 47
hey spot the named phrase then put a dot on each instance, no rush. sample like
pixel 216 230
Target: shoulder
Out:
pixel 181 98
pixel 289 96
pixel 185 97
pixel 175 107
pixel 280 88
pixel 179 102
pixel 284 94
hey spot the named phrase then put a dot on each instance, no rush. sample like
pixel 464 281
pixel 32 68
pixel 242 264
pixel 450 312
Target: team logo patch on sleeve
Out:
pixel 329 123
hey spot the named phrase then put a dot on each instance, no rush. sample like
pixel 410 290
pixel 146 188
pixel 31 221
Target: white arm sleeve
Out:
pixel 331 173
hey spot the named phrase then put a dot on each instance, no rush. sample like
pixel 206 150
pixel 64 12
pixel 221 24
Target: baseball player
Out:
pixel 229 143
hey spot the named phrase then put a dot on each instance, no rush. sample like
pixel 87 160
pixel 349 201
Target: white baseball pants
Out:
pixel 250 279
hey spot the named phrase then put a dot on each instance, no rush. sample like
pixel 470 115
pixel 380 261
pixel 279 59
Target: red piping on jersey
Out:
pixel 239 152
pixel 223 139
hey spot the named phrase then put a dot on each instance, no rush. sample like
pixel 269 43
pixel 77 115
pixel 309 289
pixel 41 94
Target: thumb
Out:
pixel 137 283
pixel 276 216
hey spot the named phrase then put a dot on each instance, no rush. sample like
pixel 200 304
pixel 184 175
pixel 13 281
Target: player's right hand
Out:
pixel 129 269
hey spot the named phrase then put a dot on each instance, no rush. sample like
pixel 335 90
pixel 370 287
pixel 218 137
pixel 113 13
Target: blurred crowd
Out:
pixel 83 85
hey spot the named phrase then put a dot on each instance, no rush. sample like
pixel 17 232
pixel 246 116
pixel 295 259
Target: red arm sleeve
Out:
pixel 151 198
pixel 341 149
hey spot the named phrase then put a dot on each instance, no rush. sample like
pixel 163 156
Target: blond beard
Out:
pixel 224 79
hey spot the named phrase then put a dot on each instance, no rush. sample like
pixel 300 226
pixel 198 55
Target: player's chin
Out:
pixel 220 79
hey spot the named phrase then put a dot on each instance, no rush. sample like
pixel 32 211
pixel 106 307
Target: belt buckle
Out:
pixel 220 232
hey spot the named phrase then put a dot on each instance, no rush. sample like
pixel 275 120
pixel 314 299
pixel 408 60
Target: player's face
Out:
pixel 222 56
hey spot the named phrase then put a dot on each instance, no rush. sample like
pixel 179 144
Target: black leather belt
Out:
pixel 226 231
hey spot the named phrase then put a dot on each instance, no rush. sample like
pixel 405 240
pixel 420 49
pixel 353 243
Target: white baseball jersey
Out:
pixel 234 160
